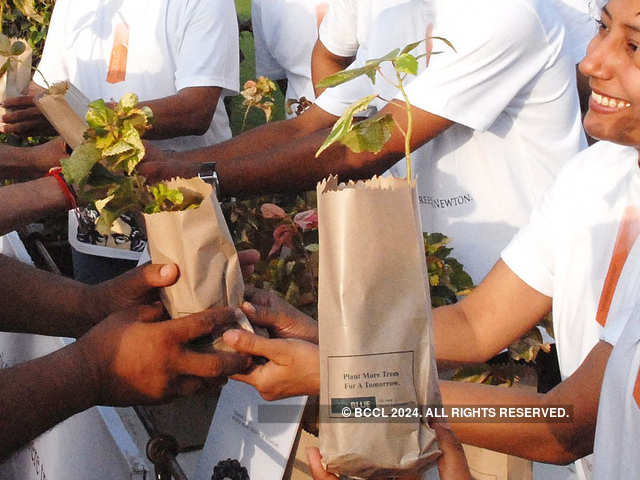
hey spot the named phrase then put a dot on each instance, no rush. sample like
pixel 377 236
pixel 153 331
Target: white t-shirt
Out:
pixel 510 90
pixel 618 427
pixel 172 44
pixel 576 245
pixel 284 32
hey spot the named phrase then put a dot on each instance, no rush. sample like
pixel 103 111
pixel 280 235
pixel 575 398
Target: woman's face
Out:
pixel 613 67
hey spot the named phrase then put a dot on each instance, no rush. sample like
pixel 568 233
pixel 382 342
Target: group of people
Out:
pixel 540 221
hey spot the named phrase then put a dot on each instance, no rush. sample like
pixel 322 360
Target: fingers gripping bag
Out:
pixel 376 348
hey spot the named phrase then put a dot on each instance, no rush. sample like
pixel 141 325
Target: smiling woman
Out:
pixel 613 67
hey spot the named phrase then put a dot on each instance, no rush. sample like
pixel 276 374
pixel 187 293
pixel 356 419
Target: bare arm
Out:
pixel 188 112
pixel 325 63
pixel 27 202
pixel 130 358
pixel 281 156
pixel 20 163
pixel 466 331
pixel 550 442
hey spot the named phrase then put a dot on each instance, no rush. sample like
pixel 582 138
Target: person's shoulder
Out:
pixel 505 19
pixel 598 166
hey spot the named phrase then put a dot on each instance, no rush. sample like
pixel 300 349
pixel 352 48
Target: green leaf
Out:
pixel 77 167
pixel 99 115
pixel 5 45
pixel 101 177
pixel 370 68
pixel 446 42
pixel 104 139
pixel 344 124
pixel 5 66
pixel 118 150
pixel 132 137
pixel 407 63
pixel 149 114
pixel 344 76
pixel 312 247
pixel 128 102
pixel 18 48
pixel 369 135
pixel 410 47
pixel 28 9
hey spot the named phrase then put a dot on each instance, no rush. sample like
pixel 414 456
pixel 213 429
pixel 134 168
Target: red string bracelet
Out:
pixel 69 194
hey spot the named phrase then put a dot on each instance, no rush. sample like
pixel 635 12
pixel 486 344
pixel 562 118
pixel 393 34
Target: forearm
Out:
pixel 189 112
pixel 27 202
pixel 35 301
pixel 552 441
pixel 18 163
pixel 455 339
pixel 535 441
pixel 37 395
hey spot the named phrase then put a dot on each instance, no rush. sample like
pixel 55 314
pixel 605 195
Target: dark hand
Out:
pixel 135 287
pixel 248 260
pixel 134 358
pixel 162 164
pixel 24 118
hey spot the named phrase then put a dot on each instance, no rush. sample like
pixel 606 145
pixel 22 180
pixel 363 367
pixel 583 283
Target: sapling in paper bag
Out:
pixel 184 221
pixel 376 349
pixel 15 68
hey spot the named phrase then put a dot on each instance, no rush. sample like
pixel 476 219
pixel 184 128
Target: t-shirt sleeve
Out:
pixel 338 31
pixel 207 48
pixel 531 252
pixel 52 64
pixel 498 50
pixel 266 63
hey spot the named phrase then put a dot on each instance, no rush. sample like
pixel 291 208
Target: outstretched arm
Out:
pixel 130 358
pixel 35 301
pixel 27 202
pixel 465 331
pixel 281 156
pixel 550 441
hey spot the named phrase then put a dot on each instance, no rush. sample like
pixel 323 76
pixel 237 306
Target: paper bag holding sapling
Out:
pixel 198 241
pixel 65 107
pixel 375 328
pixel 17 75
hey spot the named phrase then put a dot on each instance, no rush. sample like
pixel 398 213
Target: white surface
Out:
pixel 236 433
pixel 284 32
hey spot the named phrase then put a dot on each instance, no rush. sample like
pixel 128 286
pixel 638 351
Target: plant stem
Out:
pixel 407 136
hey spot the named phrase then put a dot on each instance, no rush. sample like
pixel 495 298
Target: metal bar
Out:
pixel 167 463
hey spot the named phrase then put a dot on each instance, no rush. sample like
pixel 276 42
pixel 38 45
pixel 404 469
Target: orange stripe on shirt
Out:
pixel 636 390
pixel 627 234
pixel 118 63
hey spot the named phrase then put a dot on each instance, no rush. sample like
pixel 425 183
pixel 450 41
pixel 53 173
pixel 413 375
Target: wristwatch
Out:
pixel 207 172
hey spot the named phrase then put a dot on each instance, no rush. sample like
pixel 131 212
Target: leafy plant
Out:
pixel 447 278
pixel 286 237
pixel 371 134
pixel 103 167
pixel 258 94
pixel 11 50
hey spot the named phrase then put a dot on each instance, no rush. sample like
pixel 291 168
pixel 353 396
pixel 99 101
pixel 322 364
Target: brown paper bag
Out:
pixel 65 108
pixel 198 241
pixel 375 328
pixel 17 77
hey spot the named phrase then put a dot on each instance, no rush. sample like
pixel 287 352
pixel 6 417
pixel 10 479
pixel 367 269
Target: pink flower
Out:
pixel 307 220
pixel 283 235
pixel 271 210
